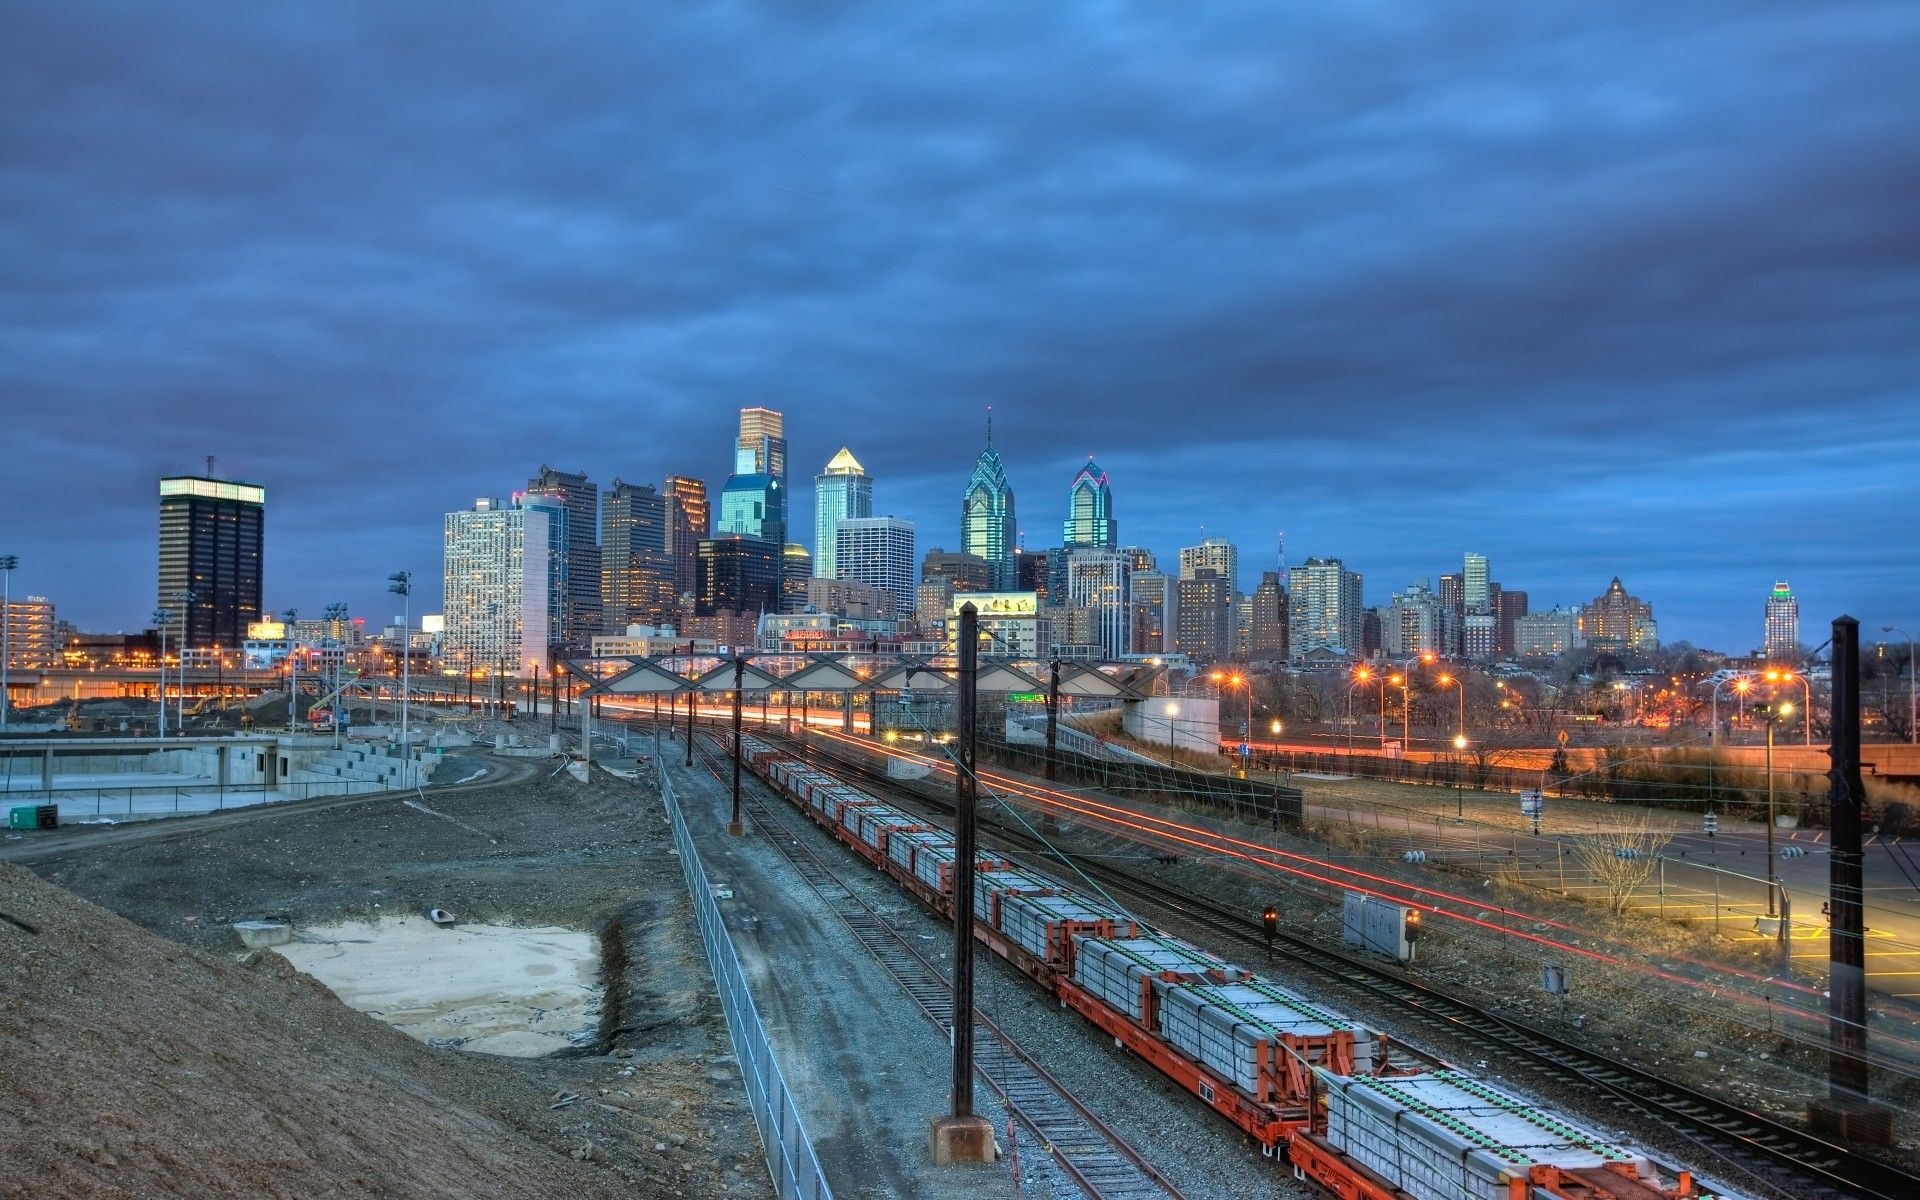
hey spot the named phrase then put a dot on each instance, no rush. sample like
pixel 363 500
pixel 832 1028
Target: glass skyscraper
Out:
pixel 1090 511
pixel 212 534
pixel 844 491
pixel 987 525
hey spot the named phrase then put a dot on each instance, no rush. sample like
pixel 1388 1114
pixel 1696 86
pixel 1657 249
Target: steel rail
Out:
pixel 1759 1144
pixel 1101 1162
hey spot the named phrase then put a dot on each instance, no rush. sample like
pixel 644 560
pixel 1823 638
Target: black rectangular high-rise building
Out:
pixel 212 545
pixel 737 574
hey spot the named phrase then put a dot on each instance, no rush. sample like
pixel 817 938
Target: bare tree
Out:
pixel 1623 856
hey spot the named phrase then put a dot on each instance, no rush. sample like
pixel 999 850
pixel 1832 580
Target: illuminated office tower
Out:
pixel 212 544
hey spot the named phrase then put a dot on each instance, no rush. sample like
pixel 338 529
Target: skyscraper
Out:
pixel 1267 631
pixel 1783 624
pixel 559 524
pixel 987 525
pixel 579 616
pixel 636 573
pixel 844 490
pixel 753 504
pixel 878 551
pixel 738 575
pixel 967 572
pixel 212 544
pixel 1090 511
pixel 689 522
pixel 1324 609
pixel 1156 610
pixel 1204 613
pixel 763 433
pixel 496 569
pixel 1098 582
pixel 1474 583
pixel 1216 554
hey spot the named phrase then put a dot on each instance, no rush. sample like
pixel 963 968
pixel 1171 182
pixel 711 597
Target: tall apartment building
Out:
pixel 1324 610
pixel 1619 621
pixel 1474 582
pixel 1546 634
pixel 559 525
pixel 496 578
pixel 1267 623
pixel 1417 623
pixel 33 638
pixel 1215 554
pixel 988 527
pixel 637 585
pixel 1512 606
pixel 1090 511
pixel 689 522
pixel 1098 583
pixel 1156 609
pixel 1783 625
pixel 1204 611
pixel 579 617
pixel 841 492
pixel 212 544
pixel 878 551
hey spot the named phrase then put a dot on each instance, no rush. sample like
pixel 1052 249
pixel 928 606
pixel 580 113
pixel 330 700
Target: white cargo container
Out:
pixel 1028 921
pixel 1379 926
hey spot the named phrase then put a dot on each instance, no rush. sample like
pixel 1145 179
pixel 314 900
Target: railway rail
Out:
pixel 1098 1160
pixel 1749 1149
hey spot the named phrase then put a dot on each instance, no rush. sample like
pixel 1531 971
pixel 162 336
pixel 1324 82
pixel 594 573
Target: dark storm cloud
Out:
pixel 1627 291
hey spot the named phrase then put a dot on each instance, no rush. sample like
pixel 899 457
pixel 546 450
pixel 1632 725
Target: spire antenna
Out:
pixel 989 426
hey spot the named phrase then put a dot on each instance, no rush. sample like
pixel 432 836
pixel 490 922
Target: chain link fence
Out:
pixel 791 1160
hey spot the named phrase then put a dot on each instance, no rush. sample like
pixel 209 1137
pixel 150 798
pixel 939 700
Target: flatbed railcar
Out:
pixel 1305 1082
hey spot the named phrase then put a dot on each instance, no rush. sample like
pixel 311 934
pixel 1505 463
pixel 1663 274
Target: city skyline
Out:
pixel 1628 319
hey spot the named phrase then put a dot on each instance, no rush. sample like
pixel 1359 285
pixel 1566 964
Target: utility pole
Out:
pixel 1847 1114
pixel 400 583
pixel 962 1136
pixel 1053 713
pixel 736 826
pixel 161 618
pixel 8 564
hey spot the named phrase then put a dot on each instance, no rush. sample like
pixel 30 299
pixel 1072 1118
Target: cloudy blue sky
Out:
pixel 1610 289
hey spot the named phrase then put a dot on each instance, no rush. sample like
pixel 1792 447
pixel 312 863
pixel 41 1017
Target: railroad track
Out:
pixel 1099 1161
pixel 1742 1148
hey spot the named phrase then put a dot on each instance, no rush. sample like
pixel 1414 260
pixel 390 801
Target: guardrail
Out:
pixel 791 1160
pixel 171 800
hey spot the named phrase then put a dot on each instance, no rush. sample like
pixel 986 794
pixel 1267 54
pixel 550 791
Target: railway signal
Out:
pixel 1270 921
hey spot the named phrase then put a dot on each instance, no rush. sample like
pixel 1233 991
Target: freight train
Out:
pixel 1308 1084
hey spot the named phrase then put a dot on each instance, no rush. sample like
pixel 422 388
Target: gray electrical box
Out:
pixel 1378 926
pixel 1553 979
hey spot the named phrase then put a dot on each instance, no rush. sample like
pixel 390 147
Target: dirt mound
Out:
pixel 131 1065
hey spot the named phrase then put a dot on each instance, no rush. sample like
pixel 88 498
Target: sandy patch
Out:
pixel 490 988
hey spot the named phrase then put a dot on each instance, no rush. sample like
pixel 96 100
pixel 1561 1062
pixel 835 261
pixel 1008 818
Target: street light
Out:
pixel 1360 676
pixel 1913 681
pixel 1782 675
pixel 184 599
pixel 1773 713
pixel 1459 684
pixel 1172 711
pixel 400 583
pixel 293 669
pixel 8 563
pixel 1741 684
pixel 161 619
pixel 1459 800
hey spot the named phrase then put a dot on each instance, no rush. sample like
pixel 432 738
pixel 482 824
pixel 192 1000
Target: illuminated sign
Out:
pixel 266 631
pixel 999 604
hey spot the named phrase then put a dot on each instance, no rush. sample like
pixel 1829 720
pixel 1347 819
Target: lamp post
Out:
pixel 336 619
pixel 1172 711
pixel 1806 696
pixel 400 583
pixel 1359 677
pixel 1459 684
pixel 1459 800
pixel 161 619
pixel 1741 684
pixel 184 599
pixel 1773 713
pixel 1913 681
pixel 293 669
pixel 8 563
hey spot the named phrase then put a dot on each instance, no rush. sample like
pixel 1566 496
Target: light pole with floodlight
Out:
pixel 1459 800
pixel 8 564
pixel 184 599
pixel 1773 714
pixel 400 583
pixel 161 619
